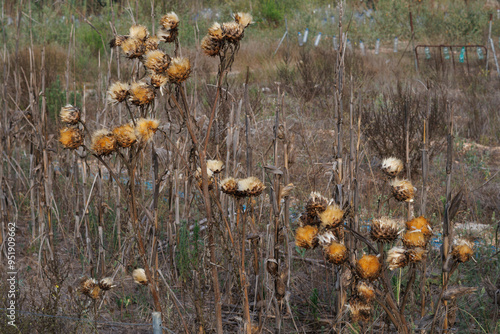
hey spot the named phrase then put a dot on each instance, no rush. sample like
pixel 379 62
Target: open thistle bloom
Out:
pixel 118 92
pixel 392 166
pixel 420 223
pixel 146 128
pixel 169 21
pixel 233 32
pixel 139 276
pixel 359 310
pixel 199 178
pixel 250 187
pixel 306 237
pixel 462 250
pixel 229 186
pixel 216 166
pixel 397 258
pixel 416 255
pixel 243 19
pixel 179 70
pixel 133 47
pixel 336 253
pixel 139 31
pixel 71 138
pixel 413 239
pixel 316 204
pixel 151 43
pixel 331 217
pixel 365 291
pixel 156 61
pixel 210 46
pixel 141 93
pixel 384 230
pixel 125 135
pixel 70 114
pixel 159 80
pixel 103 142
pixel 369 267
pixel 106 283
pixel 402 190
pixel 215 32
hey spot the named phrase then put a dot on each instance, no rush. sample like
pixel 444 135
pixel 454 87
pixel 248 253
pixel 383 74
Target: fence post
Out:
pixel 157 323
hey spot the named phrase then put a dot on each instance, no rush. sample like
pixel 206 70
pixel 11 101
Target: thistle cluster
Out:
pixel 71 135
pixel 241 188
pixel 94 289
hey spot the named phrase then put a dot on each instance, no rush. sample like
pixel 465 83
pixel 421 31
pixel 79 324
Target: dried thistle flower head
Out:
pixel 118 92
pixel 336 253
pixel 71 138
pixel 462 250
pixel 125 135
pixel 210 46
pixel 332 216
pixel 316 204
pixel 392 166
pixel 420 223
pixel 179 70
pixel 169 21
pixel 305 237
pixel 416 255
pixel 103 142
pixel 215 32
pixel 216 166
pixel 397 258
pixel 145 128
pixel 326 238
pixel 139 31
pixel 365 291
pixel 159 80
pixel 250 187
pixel 156 61
pixel 402 190
pixel 141 93
pixel 199 178
pixel 384 230
pixel 70 114
pixel 243 19
pixel 151 43
pixel 118 40
pixel 413 239
pixel 139 276
pixel 87 285
pixel 369 267
pixel 229 186
pixel 232 31
pixel 133 47
pixel 106 283
pixel 168 36
pixel 359 310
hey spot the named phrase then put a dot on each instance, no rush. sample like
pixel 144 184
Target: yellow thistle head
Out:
pixel 170 21
pixel 392 166
pixel 133 47
pixel 397 258
pixel 146 128
pixel 359 310
pixel 215 32
pixel 139 31
pixel 141 93
pixel 156 61
pixel 420 223
pixel 462 250
pixel 365 291
pixel 384 230
pixel 243 19
pixel 335 252
pixel 159 80
pixel 151 43
pixel 70 114
pixel 232 31
pixel 71 138
pixel 125 135
pixel 331 217
pixel 216 166
pixel 103 142
pixel 305 237
pixel 229 186
pixel 118 92
pixel 413 239
pixel 402 190
pixel 369 267
pixel 179 70
pixel 139 276
pixel 210 46
pixel 106 283
pixel 416 254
